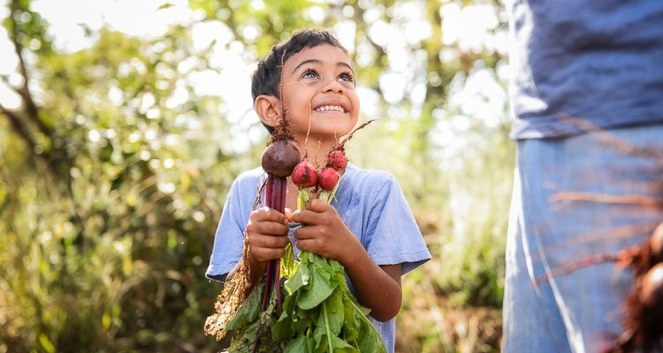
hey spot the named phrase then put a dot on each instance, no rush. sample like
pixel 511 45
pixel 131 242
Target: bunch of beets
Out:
pixel 315 311
pixel 305 174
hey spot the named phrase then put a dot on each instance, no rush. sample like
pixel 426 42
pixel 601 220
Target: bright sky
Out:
pixel 139 18
pixel 470 27
pixel 66 19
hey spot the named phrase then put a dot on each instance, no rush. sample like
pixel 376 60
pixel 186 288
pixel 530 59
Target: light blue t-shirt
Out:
pixel 582 65
pixel 370 202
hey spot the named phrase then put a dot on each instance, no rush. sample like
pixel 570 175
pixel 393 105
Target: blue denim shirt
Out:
pixel 580 65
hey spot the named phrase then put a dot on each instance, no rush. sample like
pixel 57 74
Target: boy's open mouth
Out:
pixel 328 108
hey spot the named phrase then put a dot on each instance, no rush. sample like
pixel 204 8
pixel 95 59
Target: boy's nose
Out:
pixel 333 86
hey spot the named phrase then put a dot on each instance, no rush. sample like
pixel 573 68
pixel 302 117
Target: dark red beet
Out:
pixel 280 158
pixel 304 175
pixel 328 178
pixel 337 159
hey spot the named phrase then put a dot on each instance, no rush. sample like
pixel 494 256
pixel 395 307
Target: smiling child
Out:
pixel 369 227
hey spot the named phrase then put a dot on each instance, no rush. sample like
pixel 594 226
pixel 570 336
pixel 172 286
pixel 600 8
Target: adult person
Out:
pixel 587 95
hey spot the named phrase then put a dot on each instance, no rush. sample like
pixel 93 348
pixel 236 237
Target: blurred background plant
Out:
pixel 117 149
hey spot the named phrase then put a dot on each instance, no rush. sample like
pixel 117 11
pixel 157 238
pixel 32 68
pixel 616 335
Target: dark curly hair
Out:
pixel 267 76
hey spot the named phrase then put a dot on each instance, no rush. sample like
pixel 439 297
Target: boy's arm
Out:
pixel 376 287
pixel 324 233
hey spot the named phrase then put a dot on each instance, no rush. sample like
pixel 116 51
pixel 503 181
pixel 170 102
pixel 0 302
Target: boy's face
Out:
pixel 319 93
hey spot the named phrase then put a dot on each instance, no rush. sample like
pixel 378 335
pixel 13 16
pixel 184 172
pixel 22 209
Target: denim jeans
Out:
pixel 575 199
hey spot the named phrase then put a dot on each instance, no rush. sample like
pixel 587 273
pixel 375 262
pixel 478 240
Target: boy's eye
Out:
pixel 310 73
pixel 347 77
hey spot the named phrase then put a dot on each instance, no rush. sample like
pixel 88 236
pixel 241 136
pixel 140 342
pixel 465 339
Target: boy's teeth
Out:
pixel 325 108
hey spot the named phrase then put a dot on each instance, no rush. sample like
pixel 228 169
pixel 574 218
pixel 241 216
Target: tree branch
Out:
pixel 24 90
pixel 19 127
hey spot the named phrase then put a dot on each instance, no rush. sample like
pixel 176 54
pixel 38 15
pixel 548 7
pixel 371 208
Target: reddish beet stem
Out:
pixel 275 193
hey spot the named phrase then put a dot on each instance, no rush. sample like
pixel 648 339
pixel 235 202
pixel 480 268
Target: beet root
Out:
pixel 280 158
pixel 304 175
pixel 328 178
pixel 337 159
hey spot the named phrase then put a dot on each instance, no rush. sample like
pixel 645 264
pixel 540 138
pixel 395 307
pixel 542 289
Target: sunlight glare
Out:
pixel 204 33
pixel 411 17
pixel 469 27
pixel 346 30
pixel 8 98
pixel 9 62
pixel 380 33
pixel 316 14
pixel 68 18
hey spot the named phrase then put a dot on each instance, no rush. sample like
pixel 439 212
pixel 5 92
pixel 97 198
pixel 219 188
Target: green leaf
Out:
pixel 288 263
pixel 282 328
pixel 321 287
pixel 249 310
pixel 299 279
pixel 352 321
pixel 335 314
pixel 298 345
pixel 341 346
pixel 244 340
pixel 369 340
pixel 322 334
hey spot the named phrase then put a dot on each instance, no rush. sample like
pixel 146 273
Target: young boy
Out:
pixel 368 228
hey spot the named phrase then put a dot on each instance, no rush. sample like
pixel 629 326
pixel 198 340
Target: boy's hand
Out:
pixel 267 233
pixel 323 232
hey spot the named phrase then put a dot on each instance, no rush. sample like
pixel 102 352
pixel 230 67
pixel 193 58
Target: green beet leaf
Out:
pixel 370 341
pixel 319 289
pixel 249 310
pixel 298 345
pixel 330 323
pixel 341 346
pixel 299 279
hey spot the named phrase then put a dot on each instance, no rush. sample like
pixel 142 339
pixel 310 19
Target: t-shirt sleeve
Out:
pixel 229 236
pixel 392 235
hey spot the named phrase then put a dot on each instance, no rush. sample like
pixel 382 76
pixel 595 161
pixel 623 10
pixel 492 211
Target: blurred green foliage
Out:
pixel 111 184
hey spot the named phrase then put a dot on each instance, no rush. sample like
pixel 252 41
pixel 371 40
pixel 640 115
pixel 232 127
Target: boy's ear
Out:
pixel 268 109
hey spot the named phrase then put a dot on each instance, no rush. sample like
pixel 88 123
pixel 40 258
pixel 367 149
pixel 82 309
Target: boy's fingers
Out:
pixel 301 216
pixel 267 223
pixel 288 214
pixel 269 238
pixel 272 228
pixel 274 242
pixel 317 205
pixel 315 214
pixel 266 214
pixel 265 254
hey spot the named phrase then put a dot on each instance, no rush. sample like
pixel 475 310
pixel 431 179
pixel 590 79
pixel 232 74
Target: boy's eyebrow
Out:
pixel 316 61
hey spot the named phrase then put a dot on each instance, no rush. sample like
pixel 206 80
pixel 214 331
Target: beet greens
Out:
pixel 320 314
